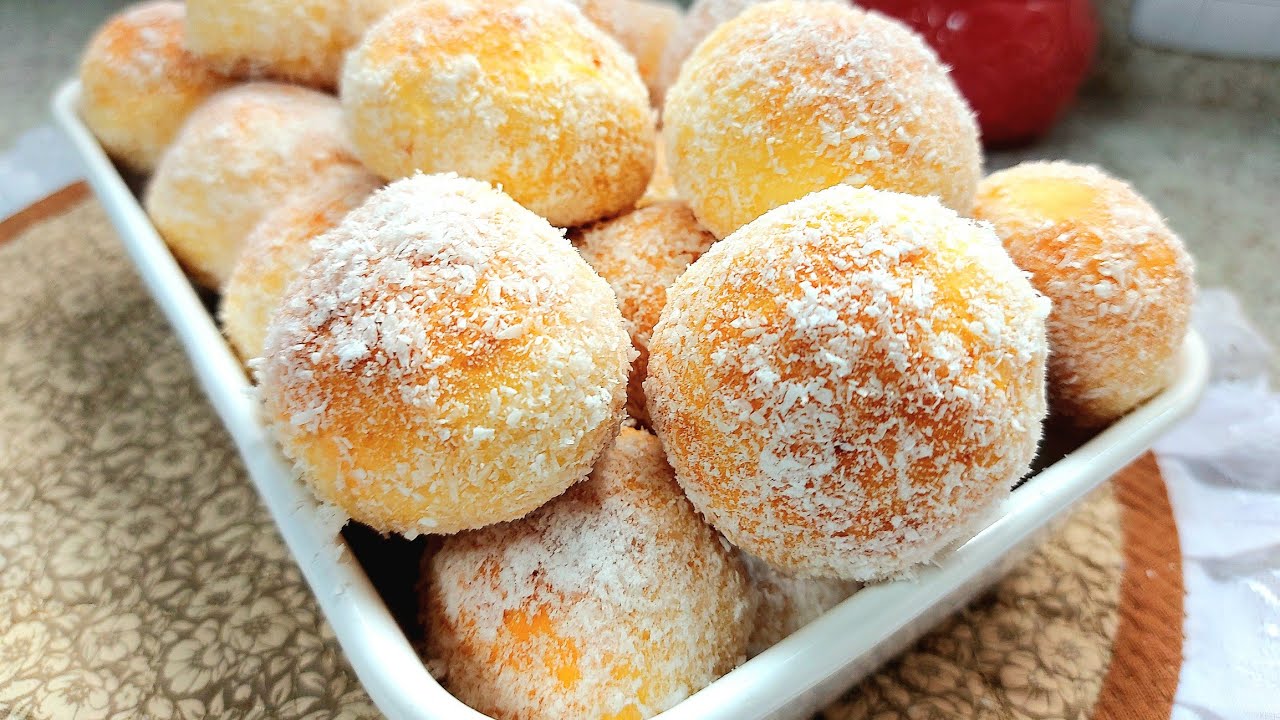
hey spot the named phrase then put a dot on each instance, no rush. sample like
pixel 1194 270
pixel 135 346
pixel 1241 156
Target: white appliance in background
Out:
pixel 1224 28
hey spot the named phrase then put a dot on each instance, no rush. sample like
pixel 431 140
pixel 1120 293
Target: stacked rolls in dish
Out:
pixel 663 402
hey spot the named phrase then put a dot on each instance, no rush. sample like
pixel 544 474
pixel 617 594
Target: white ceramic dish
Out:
pixel 790 680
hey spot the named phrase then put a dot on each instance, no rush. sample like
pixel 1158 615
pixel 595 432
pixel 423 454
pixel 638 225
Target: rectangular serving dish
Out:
pixel 790 680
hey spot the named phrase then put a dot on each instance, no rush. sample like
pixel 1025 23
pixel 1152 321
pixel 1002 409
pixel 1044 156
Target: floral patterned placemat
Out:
pixel 141 578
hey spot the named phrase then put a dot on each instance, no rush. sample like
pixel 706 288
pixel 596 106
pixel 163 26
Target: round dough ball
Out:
pixel 302 41
pixel 640 254
pixel 793 97
pixel 446 361
pixel 138 82
pixel 526 94
pixel 239 155
pixel 851 382
pixel 643 27
pixel 788 602
pixel 278 248
pixel 1121 282
pixel 613 601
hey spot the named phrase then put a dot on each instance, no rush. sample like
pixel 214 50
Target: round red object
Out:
pixel 1019 62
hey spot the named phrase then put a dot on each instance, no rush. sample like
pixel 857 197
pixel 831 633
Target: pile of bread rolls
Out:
pixel 675 327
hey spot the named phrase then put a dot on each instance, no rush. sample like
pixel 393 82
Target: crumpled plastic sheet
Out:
pixel 1222 469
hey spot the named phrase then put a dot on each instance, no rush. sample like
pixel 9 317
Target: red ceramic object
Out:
pixel 1019 62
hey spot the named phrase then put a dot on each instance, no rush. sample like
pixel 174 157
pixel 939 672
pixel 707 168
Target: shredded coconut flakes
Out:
pixel 843 381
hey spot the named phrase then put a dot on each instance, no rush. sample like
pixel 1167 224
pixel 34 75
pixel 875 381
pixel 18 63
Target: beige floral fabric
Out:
pixel 139 575
pixel 141 578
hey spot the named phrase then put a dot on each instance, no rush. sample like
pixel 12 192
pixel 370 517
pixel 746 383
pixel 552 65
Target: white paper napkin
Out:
pixel 1222 468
